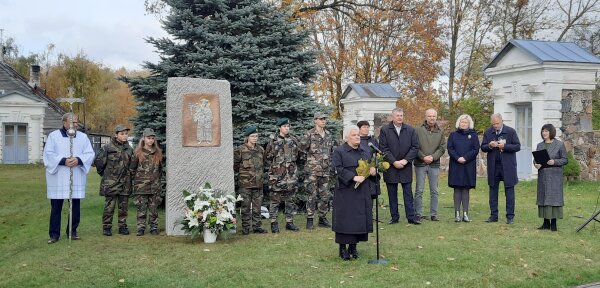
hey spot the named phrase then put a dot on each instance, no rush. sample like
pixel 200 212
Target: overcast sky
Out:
pixel 110 32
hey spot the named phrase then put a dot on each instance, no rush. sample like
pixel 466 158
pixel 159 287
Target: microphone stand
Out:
pixel 378 260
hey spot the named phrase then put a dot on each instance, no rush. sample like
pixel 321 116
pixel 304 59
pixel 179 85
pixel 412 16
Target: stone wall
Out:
pixel 577 131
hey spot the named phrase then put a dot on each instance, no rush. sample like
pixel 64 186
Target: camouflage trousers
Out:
pixel 147 204
pixel 290 207
pixel 109 208
pixel 318 196
pixel 251 215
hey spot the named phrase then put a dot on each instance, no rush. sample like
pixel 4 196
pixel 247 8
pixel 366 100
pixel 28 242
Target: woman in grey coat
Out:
pixel 550 179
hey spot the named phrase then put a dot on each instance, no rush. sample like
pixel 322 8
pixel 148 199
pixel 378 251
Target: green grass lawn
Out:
pixel 435 254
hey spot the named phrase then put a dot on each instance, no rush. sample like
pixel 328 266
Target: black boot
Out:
pixel 107 232
pixel 141 232
pixel 291 226
pixel 309 224
pixel 553 225
pixel 352 250
pixel 344 253
pixel 323 222
pixel 123 231
pixel 546 225
pixel 274 227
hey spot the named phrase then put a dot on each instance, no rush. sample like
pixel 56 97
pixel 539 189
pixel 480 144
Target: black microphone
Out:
pixel 375 148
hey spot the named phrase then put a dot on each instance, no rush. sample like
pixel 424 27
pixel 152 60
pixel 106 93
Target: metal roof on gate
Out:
pixel 548 51
pixel 377 90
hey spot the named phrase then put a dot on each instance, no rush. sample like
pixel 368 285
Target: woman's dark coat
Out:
pixel 550 179
pixel 463 143
pixel 352 208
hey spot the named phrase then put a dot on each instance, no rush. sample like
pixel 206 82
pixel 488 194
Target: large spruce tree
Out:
pixel 253 45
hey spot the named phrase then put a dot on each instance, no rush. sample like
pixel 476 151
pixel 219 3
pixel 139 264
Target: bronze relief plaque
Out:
pixel 201 120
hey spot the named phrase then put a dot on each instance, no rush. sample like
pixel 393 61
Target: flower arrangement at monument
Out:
pixel 208 209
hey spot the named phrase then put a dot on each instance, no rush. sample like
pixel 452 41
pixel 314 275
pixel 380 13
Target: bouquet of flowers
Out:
pixel 208 209
pixel 365 165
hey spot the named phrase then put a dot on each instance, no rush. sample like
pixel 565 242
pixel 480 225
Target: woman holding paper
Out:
pixel 550 179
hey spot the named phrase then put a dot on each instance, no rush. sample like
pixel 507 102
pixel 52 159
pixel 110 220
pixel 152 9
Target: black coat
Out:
pixel 463 143
pixel 352 208
pixel 509 154
pixel 405 146
pixel 364 143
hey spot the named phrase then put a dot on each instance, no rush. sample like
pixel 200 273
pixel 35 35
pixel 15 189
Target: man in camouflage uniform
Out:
pixel 248 162
pixel 281 155
pixel 112 163
pixel 318 144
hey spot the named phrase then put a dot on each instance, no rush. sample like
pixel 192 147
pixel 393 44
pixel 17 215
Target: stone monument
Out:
pixel 199 141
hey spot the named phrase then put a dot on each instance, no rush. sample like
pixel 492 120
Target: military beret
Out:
pixel 120 128
pixel 148 132
pixel 319 115
pixel 282 121
pixel 250 130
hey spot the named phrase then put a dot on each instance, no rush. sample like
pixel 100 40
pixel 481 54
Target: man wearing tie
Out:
pixel 501 144
pixel 399 143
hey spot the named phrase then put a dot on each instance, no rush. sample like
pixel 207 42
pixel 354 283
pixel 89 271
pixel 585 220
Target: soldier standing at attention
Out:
pixel 146 169
pixel 281 156
pixel 248 161
pixel 318 145
pixel 112 163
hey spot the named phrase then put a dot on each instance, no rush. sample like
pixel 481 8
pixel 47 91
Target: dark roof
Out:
pixel 17 83
pixel 548 51
pixel 373 90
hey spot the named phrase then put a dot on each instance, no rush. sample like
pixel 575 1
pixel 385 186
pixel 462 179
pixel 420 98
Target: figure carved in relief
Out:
pixel 203 116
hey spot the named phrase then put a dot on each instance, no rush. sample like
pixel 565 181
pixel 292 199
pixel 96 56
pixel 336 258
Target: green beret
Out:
pixel 282 121
pixel 250 130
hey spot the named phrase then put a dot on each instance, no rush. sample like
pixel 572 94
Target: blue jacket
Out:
pixel 463 143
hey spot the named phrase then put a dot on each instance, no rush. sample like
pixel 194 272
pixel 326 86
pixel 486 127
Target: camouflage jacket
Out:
pixel 146 174
pixel 318 151
pixel 249 163
pixel 281 156
pixel 112 163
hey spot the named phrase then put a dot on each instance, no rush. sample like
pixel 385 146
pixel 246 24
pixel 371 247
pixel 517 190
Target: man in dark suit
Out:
pixel 399 143
pixel 501 144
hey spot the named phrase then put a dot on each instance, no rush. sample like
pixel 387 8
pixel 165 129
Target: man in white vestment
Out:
pixel 58 165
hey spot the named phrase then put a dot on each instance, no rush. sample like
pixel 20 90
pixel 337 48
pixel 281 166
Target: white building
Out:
pixel 531 80
pixel 369 102
pixel 27 115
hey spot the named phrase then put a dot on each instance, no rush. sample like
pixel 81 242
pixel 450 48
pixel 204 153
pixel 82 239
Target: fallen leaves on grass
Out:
pixel 394 268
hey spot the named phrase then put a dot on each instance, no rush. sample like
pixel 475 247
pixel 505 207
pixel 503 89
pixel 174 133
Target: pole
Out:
pixel 377 189
pixel 71 133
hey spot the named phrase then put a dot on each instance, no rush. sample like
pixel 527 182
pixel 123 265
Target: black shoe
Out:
pixel 140 232
pixel 344 253
pixel 352 251
pixel 414 221
pixel 435 218
pixel 393 221
pixel 260 230
pixel 545 225
pixel 123 231
pixel 419 217
pixel 309 224
pixel 274 227
pixel 73 236
pixel 490 220
pixel 291 226
pixel 510 221
pixel 154 231
pixel 52 240
pixel 324 223
pixel 245 231
pixel 107 232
